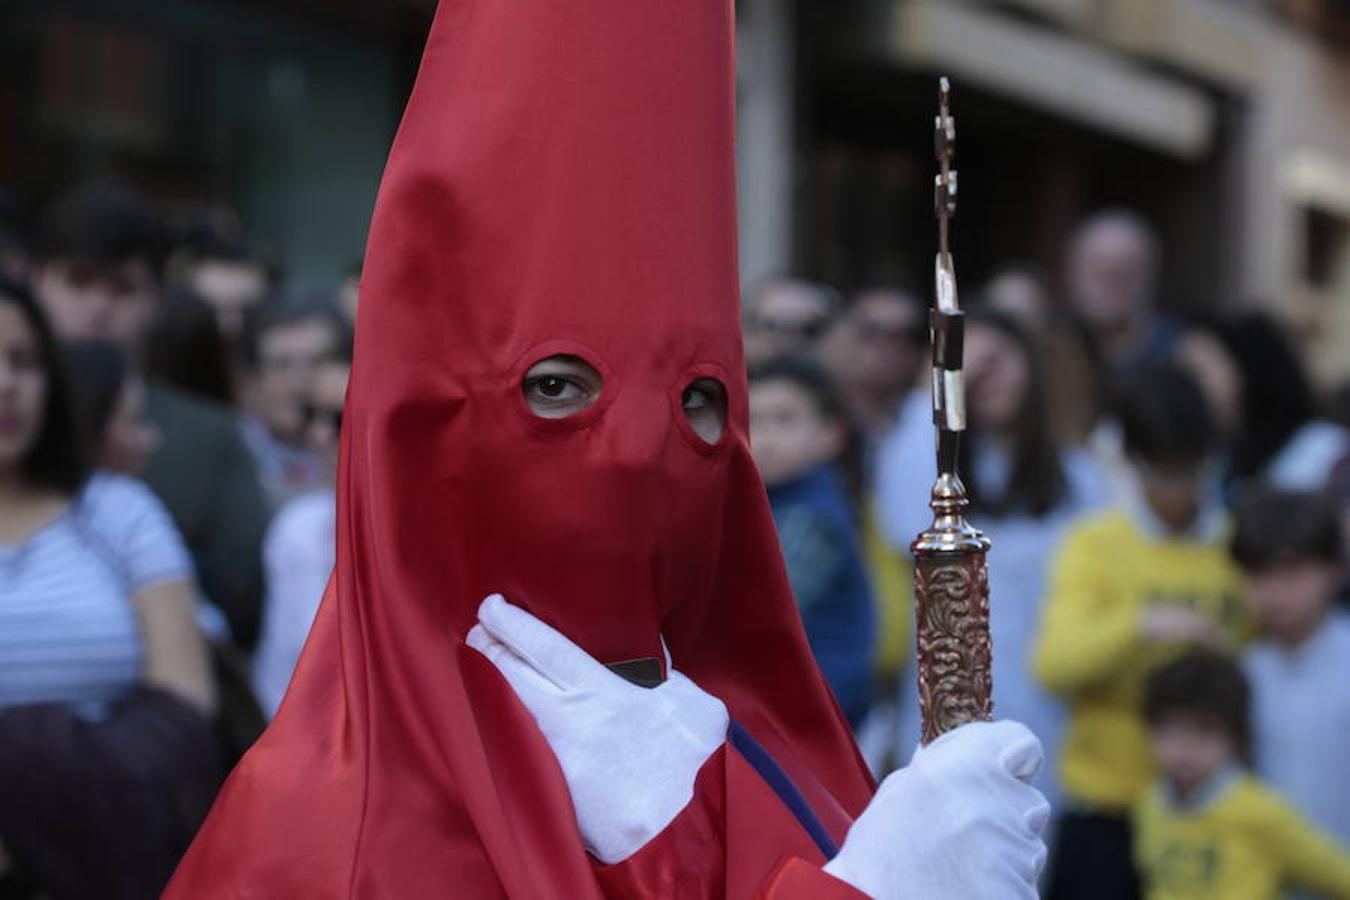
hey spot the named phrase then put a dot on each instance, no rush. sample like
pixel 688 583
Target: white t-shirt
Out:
pixel 69 632
pixel 1301 722
pixel 298 555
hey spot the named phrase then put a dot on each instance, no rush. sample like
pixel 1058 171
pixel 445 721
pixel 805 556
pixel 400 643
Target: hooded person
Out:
pixel 548 404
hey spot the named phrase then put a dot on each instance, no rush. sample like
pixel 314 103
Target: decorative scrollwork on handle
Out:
pixel 952 604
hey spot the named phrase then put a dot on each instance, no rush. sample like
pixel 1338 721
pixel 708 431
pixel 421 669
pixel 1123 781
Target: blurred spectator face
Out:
pixel 323 410
pixel 1291 597
pixel 87 301
pixel 23 387
pixel 1214 369
pixel 1174 490
pixel 1022 297
pixel 881 348
pixel 1190 747
pixel 789 434
pixel 1111 271
pixel 288 356
pixel 131 437
pixel 231 288
pixel 785 317
pixel 997 374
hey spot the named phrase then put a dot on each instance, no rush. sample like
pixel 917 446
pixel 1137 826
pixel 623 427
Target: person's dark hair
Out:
pixel 262 320
pixel 103 224
pixel 217 235
pixel 207 245
pixel 1275 526
pixel 1036 481
pixel 808 375
pixel 1164 416
pixel 98 371
pixel 1277 398
pixel 56 459
pixel 13 237
pixel 184 347
pixel 1204 683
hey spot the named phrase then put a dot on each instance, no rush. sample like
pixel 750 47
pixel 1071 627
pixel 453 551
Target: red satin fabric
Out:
pixel 735 839
pixel 562 182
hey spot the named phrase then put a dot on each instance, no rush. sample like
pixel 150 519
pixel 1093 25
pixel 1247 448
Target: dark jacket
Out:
pixel 819 537
pixel 204 474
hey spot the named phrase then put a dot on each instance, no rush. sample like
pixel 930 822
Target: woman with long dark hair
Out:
pixel 1024 489
pixel 104 684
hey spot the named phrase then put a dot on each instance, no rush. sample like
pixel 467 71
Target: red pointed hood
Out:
pixel 562 183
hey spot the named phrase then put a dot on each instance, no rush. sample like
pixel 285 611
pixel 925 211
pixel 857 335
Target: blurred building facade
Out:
pixel 281 111
pixel 1227 122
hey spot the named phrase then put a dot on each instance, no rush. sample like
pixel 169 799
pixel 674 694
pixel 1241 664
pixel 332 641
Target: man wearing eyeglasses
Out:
pixel 284 349
pixel 786 315
pixel 299 550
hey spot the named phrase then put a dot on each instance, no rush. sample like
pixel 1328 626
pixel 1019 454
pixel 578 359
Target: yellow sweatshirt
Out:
pixel 1091 653
pixel 892 576
pixel 1247 844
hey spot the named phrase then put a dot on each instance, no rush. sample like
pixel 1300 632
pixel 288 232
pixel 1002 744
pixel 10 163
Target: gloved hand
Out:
pixel 630 755
pixel 960 822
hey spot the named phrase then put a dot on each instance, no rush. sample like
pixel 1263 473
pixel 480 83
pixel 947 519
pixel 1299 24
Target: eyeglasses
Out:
pixel 875 332
pixel 292 365
pixel 801 329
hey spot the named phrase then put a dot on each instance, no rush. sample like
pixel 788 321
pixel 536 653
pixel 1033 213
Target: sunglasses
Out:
pixel 804 329
pixel 903 334
pixel 312 414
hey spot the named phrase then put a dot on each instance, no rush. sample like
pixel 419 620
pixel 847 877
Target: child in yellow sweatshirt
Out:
pixel 1207 830
pixel 1129 590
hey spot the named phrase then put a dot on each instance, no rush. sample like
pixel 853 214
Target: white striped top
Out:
pixel 69 632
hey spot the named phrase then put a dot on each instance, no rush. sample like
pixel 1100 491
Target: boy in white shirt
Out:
pixel 1289 545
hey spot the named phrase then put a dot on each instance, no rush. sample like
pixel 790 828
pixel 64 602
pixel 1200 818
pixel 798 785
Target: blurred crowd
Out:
pixel 1167 501
pixel 169 414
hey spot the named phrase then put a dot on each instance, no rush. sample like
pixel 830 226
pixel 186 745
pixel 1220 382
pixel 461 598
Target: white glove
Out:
pixel 960 822
pixel 630 755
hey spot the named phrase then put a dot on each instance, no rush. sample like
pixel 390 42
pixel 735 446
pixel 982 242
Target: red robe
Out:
pixel 562 183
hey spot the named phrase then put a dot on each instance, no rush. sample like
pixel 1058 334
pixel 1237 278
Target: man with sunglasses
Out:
pixel 284 348
pixel 786 315
pixel 298 551
pixel 874 351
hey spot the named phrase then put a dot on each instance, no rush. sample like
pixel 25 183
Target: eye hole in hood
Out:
pixel 704 403
pixel 560 386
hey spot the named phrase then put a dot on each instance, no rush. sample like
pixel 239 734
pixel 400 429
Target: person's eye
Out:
pixel 560 386
pixel 696 398
pixel 705 407
pixel 554 389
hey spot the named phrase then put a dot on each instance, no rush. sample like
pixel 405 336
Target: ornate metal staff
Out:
pixel 951 583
